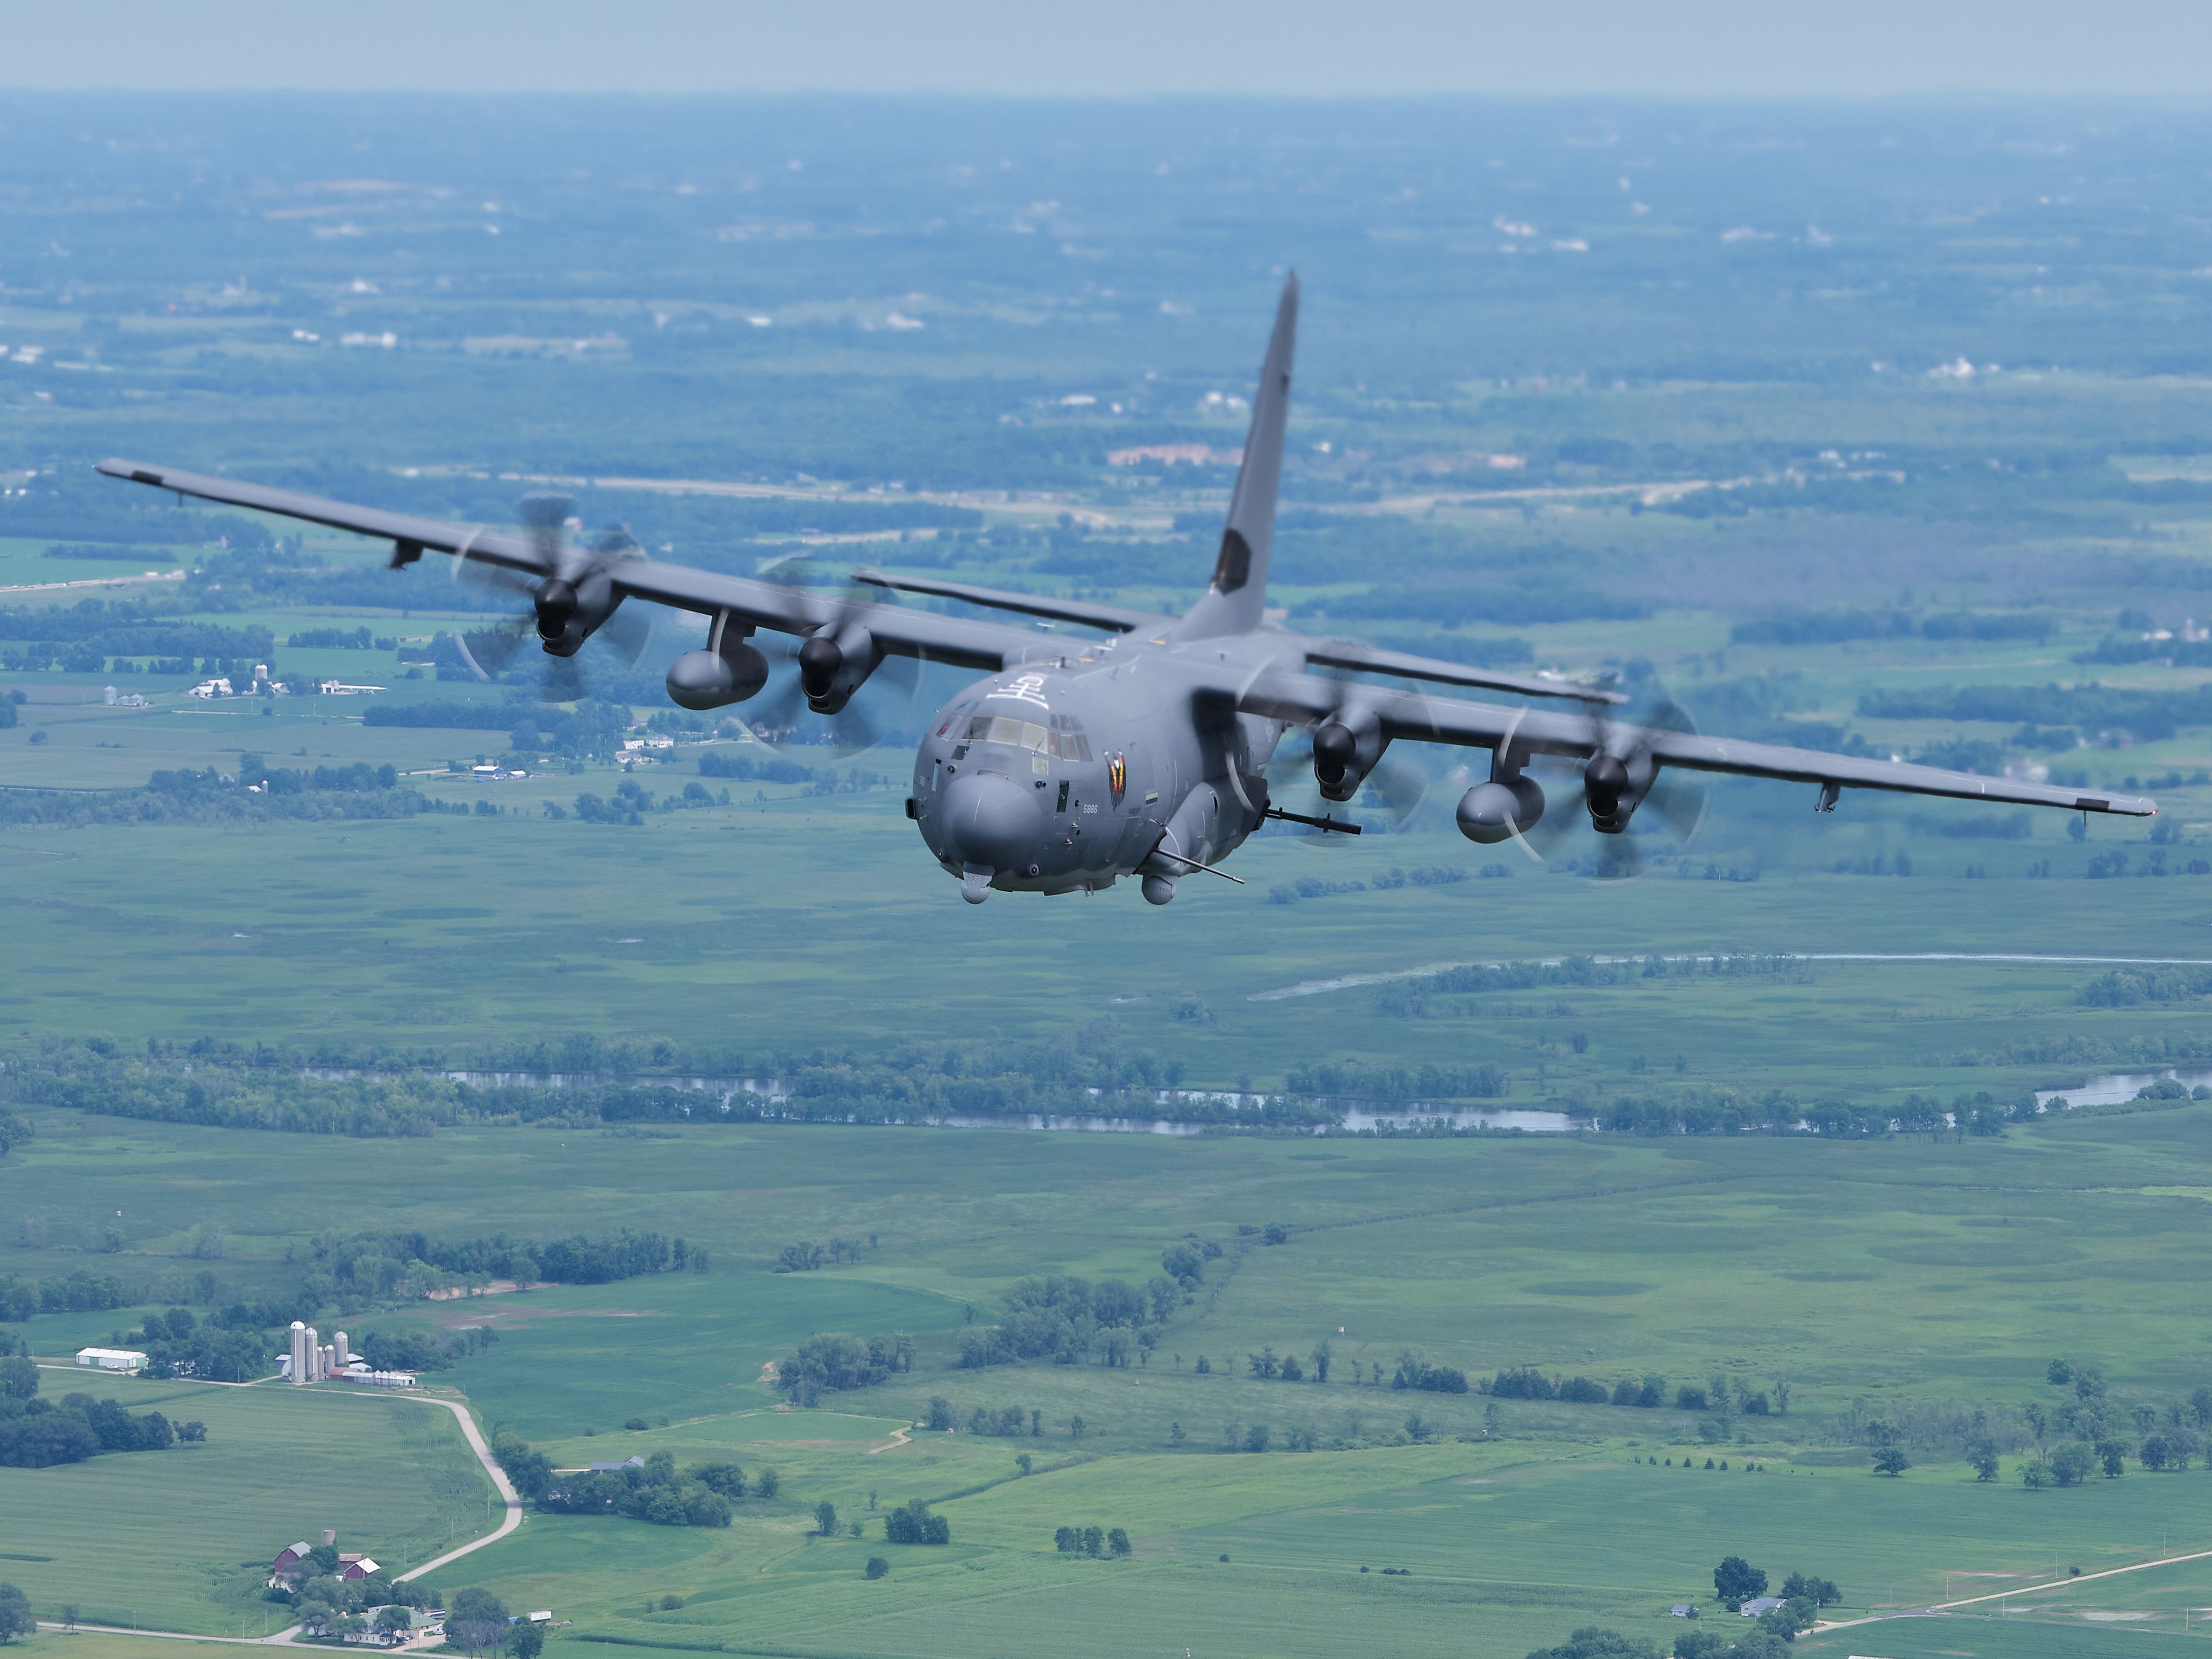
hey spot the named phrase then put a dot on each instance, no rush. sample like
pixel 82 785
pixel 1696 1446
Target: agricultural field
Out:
pixel 1680 436
pixel 181 1539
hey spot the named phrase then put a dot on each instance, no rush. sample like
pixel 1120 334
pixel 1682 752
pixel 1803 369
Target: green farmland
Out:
pixel 181 1539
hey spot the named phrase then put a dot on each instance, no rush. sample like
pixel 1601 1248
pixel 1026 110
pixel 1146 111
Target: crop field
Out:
pixel 1872 487
pixel 181 1538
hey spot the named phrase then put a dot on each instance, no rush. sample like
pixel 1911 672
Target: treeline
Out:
pixel 83 636
pixel 1837 627
pixel 2148 716
pixel 79 1291
pixel 323 794
pixel 1094 1074
pixel 1693 1110
pixel 593 728
pixel 2130 988
pixel 374 1265
pixel 1352 1080
pixel 37 1434
pixel 176 1344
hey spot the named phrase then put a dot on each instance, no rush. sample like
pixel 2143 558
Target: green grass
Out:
pixel 1502 1555
pixel 161 1539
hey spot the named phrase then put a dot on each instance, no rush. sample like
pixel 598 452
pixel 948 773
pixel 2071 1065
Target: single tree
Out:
pixel 1075 1426
pixel 1891 1462
pixel 1735 1581
pixel 1256 1437
pixel 2114 1454
pixel 1117 1542
pixel 1022 1461
pixel 877 1567
pixel 1067 1540
pixel 1321 1357
pixel 1982 1459
pixel 524 1640
pixel 15 1618
pixel 1094 1541
pixel 2059 1374
pixel 825 1518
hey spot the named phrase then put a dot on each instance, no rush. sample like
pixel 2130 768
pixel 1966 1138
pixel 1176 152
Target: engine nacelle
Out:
pixel 568 613
pixel 1346 747
pixel 1610 793
pixel 713 679
pixel 1492 812
pixel 832 667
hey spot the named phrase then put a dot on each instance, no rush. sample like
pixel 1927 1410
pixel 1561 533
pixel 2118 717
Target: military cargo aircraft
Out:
pixel 1146 751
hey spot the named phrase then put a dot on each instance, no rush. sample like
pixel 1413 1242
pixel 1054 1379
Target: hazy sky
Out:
pixel 1685 48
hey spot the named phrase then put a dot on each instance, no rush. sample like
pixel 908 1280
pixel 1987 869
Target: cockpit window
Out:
pixel 1063 738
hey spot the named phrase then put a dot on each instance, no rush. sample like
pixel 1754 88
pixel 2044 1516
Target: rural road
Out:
pixel 508 1523
pixel 2022 1590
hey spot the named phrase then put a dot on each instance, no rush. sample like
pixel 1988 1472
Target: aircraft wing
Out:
pixel 1088 612
pixel 1351 653
pixel 963 642
pixel 1412 716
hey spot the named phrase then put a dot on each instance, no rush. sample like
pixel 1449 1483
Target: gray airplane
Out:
pixel 1143 751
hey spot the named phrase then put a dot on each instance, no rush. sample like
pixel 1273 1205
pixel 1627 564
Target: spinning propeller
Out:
pixel 1618 810
pixel 1320 773
pixel 816 697
pixel 562 611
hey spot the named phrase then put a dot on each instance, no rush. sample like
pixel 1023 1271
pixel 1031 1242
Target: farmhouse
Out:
pixel 1758 1605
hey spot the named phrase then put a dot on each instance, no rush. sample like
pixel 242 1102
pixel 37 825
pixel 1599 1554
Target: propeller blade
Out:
pixel 627 632
pixel 490 651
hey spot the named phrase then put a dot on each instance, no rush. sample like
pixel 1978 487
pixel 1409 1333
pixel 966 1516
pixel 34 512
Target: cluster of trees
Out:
pixel 1065 1319
pixel 1092 1541
pixel 1352 1080
pixel 807 1255
pixel 1835 627
pixel 744 769
pixel 830 1360
pixel 319 794
pixel 36 1433
pixel 2131 988
pixel 913 1523
pixel 82 638
pixel 2147 716
pixel 654 1492
pixel 14 1131
pixel 337 639
pixel 1415 1372
pixel 176 1344
pixel 80 1290
pixel 478 1623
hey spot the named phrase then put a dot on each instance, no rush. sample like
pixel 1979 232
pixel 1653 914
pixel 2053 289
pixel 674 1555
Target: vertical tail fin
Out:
pixel 1234 598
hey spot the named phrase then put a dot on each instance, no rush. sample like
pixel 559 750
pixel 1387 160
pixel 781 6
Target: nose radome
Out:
pixel 991 820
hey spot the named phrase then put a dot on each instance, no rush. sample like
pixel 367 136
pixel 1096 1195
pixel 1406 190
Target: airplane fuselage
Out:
pixel 1107 760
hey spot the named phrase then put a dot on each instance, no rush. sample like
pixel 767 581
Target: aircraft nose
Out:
pixel 991 820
